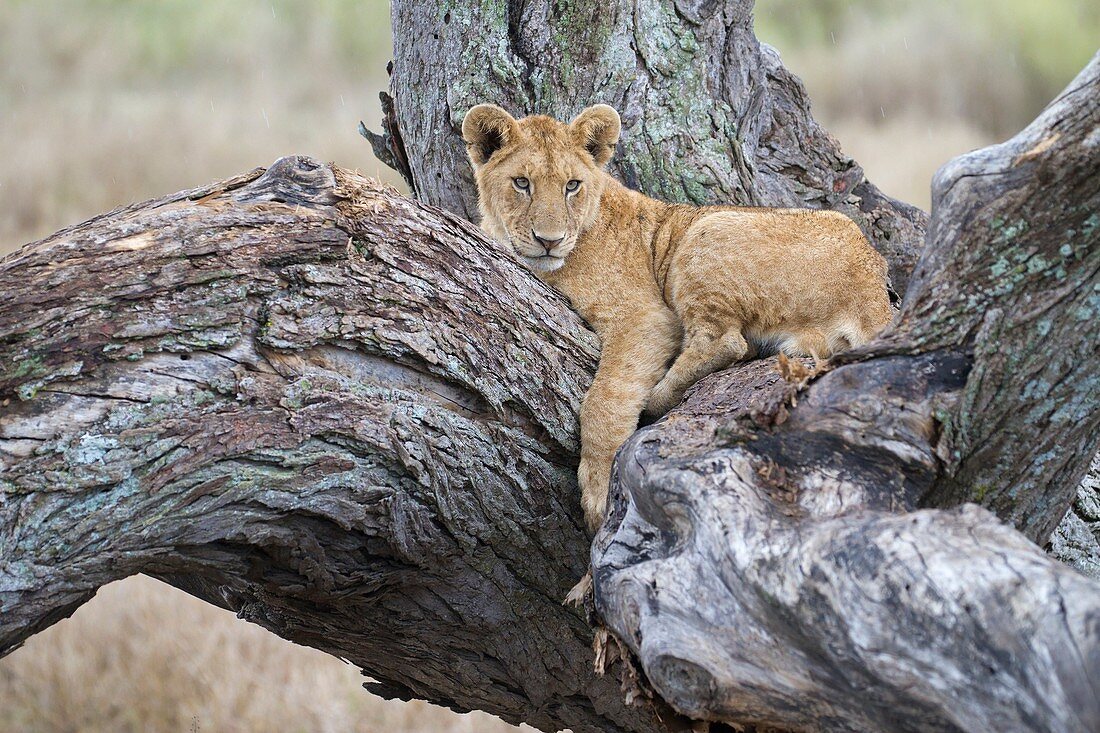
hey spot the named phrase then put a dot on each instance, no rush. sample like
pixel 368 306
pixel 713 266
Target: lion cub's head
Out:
pixel 539 181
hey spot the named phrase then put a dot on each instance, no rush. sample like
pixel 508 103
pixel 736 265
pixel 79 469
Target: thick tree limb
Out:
pixel 1011 273
pixel 312 401
pixel 765 564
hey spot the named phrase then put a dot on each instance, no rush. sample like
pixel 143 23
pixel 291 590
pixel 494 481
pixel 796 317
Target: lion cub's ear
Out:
pixel 596 129
pixel 486 129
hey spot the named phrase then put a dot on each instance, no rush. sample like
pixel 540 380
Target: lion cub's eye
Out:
pixel 572 186
pixel 521 184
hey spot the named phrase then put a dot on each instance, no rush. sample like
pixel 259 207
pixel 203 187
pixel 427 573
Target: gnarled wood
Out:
pixel 1077 539
pixel 1011 273
pixel 307 399
pixel 765 562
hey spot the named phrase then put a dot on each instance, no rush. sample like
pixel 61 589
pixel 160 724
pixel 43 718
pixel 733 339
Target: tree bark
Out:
pixel 766 563
pixel 310 400
pixel 1076 542
pixel 710 115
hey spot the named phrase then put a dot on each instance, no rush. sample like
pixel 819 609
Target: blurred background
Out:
pixel 106 102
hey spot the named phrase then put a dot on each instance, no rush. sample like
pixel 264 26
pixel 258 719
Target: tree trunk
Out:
pixel 350 418
pixel 709 114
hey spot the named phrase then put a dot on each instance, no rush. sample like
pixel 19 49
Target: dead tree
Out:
pixel 351 419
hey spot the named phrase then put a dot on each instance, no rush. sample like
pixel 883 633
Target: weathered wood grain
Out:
pixel 341 414
pixel 351 419
pixel 768 563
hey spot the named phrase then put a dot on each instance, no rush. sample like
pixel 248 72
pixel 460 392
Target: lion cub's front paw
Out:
pixel 594 475
pixel 661 400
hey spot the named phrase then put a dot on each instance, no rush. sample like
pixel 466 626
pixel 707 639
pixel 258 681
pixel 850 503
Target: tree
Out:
pixel 351 419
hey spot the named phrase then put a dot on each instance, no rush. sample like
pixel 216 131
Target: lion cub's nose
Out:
pixel 547 241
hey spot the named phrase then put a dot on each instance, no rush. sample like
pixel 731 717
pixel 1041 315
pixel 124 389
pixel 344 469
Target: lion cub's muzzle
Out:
pixel 544 252
pixel 548 241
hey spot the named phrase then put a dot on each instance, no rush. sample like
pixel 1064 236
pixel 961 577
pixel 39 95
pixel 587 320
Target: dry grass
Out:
pixel 905 86
pixel 143 656
pixel 905 171
pixel 105 102
pixel 990 63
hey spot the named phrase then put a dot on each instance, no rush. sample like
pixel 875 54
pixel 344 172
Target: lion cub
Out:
pixel 695 287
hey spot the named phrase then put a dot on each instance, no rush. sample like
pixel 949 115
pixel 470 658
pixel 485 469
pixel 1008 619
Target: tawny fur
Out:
pixel 697 288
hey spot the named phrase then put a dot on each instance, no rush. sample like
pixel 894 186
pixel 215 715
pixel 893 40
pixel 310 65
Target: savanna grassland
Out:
pixel 105 102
